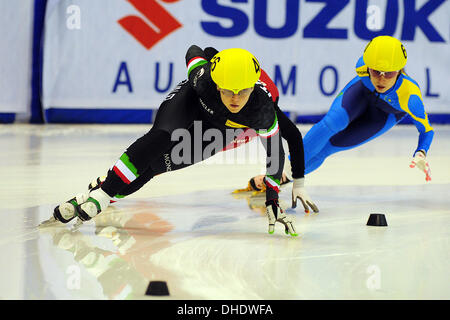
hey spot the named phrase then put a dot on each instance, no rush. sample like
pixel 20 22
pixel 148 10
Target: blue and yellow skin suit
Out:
pixel 359 114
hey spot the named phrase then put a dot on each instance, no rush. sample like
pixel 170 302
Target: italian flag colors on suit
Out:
pixel 125 169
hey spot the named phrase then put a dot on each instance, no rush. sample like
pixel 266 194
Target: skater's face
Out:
pixel 383 81
pixel 259 181
pixel 234 102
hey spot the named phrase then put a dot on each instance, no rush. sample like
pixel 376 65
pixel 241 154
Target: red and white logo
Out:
pixel 160 22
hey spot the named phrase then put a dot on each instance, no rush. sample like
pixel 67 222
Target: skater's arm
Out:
pixel 293 136
pixel 426 133
pixel 411 102
pixel 420 119
pixel 289 131
pixel 271 140
pixel 275 162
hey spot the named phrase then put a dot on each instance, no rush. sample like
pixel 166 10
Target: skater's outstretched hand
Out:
pixel 420 162
pixel 276 214
pixel 299 192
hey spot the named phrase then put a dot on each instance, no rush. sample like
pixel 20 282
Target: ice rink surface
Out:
pixel 187 229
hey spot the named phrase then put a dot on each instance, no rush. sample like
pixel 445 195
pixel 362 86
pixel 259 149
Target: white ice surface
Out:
pixel 187 229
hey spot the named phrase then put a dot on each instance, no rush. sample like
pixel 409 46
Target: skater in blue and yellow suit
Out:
pixel 378 98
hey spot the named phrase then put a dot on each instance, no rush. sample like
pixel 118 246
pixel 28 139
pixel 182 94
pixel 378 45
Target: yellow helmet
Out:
pixel 385 53
pixel 235 69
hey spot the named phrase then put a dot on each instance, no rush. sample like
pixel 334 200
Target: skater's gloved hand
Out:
pixel 299 192
pixel 276 214
pixel 420 162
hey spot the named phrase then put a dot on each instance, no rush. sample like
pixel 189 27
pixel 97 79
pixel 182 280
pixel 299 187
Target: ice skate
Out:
pixel 49 222
pixel 97 201
pixel 96 183
pixel 65 212
pixel 77 224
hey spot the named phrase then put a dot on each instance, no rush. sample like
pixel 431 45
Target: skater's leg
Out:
pixel 170 160
pixel 174 113
pixel 315 162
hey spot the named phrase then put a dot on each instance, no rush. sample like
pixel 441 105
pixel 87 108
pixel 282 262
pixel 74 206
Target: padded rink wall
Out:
pixel 114 61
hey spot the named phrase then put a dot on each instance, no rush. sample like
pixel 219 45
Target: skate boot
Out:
pixel 65 212
pixel 97 201
pixel 97 183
